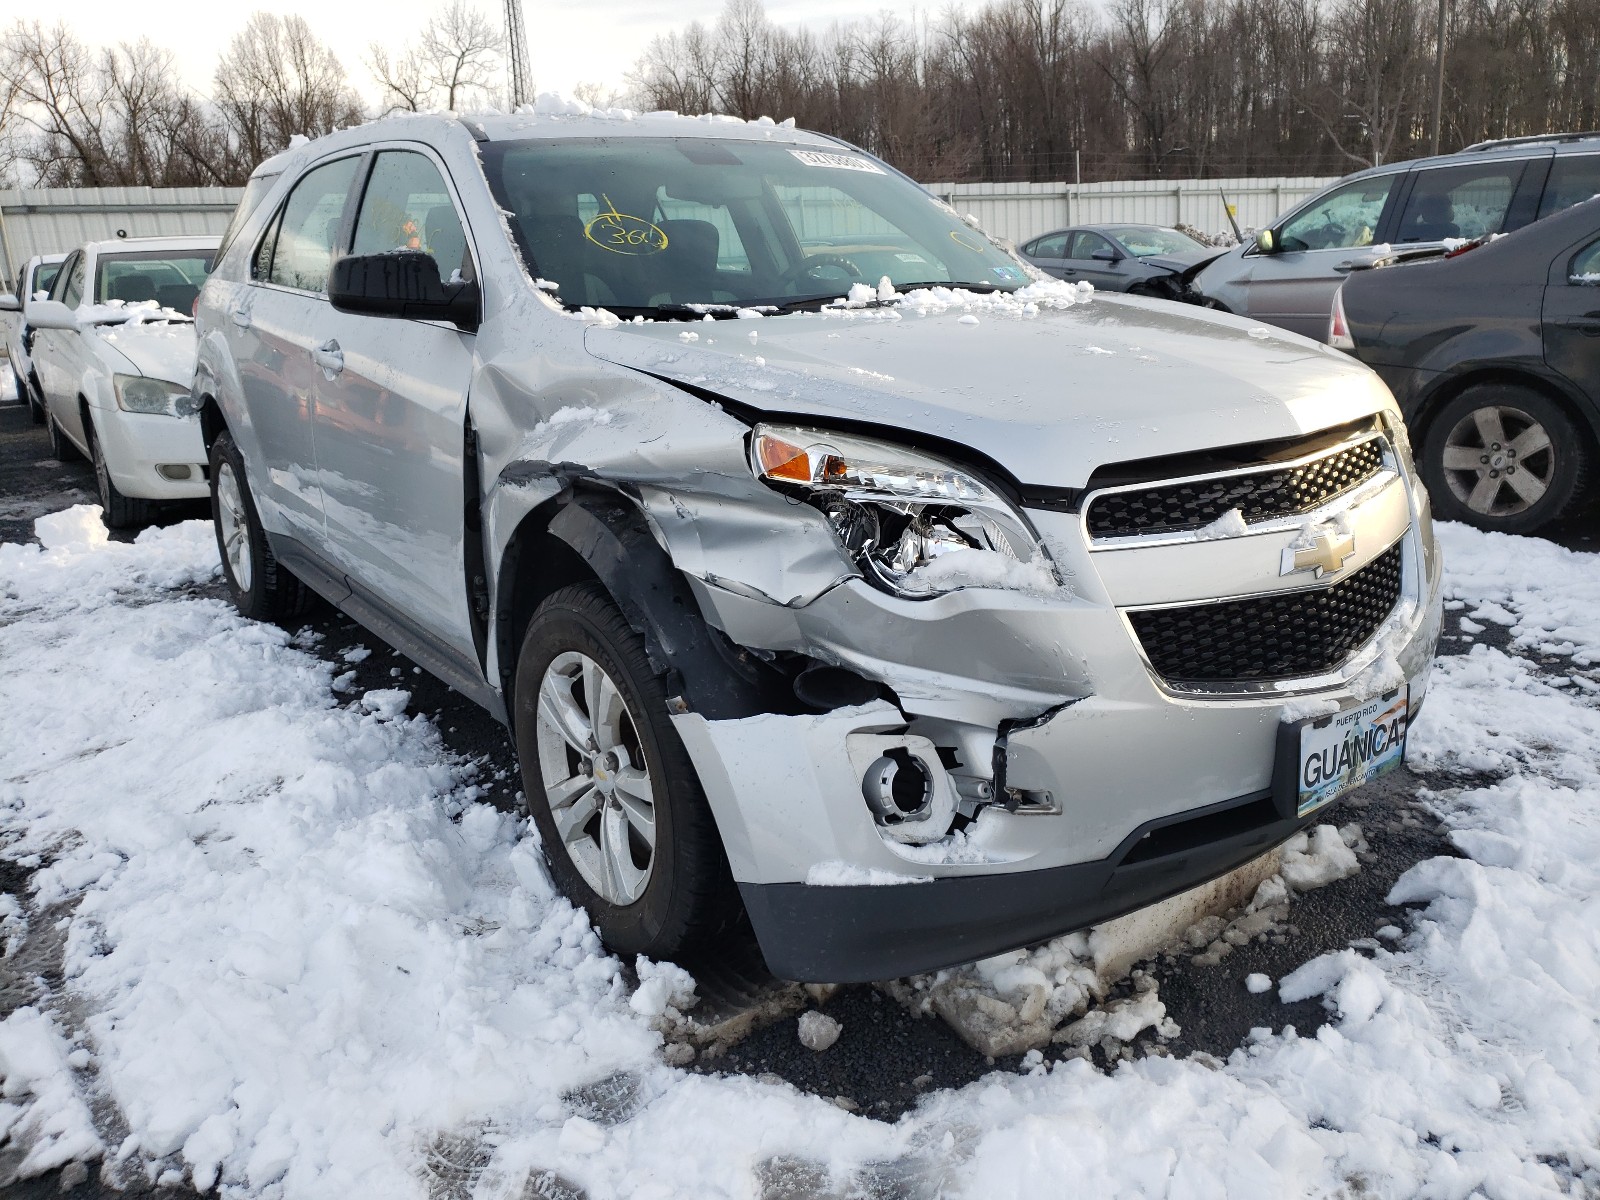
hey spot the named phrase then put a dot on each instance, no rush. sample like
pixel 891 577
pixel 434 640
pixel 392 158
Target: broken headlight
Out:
pixel 916 525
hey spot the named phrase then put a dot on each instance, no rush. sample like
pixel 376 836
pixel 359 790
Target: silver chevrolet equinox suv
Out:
pixel 827 564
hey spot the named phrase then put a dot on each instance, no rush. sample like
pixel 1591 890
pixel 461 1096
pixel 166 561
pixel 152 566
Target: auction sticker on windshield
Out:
pixel 845 162
pixel 1340 753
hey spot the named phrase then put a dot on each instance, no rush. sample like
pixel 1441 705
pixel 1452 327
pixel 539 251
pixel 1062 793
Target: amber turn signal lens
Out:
pixel 783 460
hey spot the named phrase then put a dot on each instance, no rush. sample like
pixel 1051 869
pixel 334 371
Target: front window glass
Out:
pixel 1458 202
pixel 1144 240
pixel 171 278
pixel 641 224
pixel 302 254
pixel 1087 245
pixel 407 207
pixel 1345 217
pixel 45 277
pixel 1585 267
pixel 71 282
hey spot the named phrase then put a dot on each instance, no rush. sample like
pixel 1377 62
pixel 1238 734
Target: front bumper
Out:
pixel 137 444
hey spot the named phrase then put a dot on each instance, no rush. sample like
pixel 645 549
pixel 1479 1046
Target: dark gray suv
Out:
pixel 1287 276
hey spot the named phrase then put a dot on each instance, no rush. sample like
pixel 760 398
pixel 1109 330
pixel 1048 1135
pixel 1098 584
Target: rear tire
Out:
pixel 116 510
pixel 1505 458
pixel 580 661
pixel 261 587
pixel 61 449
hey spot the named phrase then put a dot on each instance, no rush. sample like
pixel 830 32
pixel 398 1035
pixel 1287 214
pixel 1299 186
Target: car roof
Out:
pixel 125 245
pixel 1486 152
pixel 45 260
pixel 547 119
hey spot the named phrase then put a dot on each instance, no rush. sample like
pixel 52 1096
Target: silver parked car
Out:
pixel 1145 260
pixel 920 611
pixel 1288 274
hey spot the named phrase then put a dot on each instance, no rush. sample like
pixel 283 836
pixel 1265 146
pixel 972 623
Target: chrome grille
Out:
pixel 1283 635
pixel 1259 495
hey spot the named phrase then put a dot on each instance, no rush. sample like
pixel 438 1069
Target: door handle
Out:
pixel 240 316
pixel 329 357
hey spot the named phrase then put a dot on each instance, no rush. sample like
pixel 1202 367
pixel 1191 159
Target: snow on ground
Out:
pixel 301 958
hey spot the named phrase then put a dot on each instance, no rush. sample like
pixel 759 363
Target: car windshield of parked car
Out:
pixel 45 277
pixel 171 278
pixel 652 225
pixel 1143 241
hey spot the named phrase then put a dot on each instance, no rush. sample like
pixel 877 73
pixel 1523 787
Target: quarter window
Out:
pixel 1345 217
pixel 407 207
pixel 1459 202
pixel 304 236
pixel 1573 179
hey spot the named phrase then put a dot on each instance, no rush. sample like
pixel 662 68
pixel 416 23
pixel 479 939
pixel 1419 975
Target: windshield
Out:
pixel 646 225
pixel 171 278
pixel 45 276
pixel 1144 240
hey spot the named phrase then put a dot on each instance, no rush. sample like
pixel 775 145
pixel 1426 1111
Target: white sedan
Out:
pixel 35 279
pixel 113 353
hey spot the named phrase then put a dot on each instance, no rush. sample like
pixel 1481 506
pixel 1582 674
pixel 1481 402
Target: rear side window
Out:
pixel 1459 202
pixel 1054 246
pixel 304 234
pixel 1573 179
pixel 407 207
pixel 254 192
pixel 1347 216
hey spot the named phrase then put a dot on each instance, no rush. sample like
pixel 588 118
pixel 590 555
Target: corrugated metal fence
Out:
pixel 1019 211
pixel 54 220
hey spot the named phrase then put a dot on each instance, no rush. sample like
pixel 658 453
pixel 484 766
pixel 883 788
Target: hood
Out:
pixel 159 349
pixel 1049 394
pixel 1189 261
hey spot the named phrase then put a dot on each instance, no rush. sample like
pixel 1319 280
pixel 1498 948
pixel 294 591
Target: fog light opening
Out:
pixel 174 471
pixel 898 788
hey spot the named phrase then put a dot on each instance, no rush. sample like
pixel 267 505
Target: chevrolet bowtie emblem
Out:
pixel 1326 555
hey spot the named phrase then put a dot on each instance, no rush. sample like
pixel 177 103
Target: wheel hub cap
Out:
pixel 1499 461
pixel 603 804
pixel 233 528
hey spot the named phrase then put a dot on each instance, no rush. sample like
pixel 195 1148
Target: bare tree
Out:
pixel 277 80
pixel 452 64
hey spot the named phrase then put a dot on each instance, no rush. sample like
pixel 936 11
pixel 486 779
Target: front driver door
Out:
pixel 390 420
pixel 1572 318
pixel 1294 288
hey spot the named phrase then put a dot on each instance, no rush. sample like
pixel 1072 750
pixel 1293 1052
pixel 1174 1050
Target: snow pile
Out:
pixel 882 301
pixel 305 963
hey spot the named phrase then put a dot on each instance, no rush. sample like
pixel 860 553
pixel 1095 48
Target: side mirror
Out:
pixel 402 284
pixel 9 303
pixel 50 314
pixel 1267 242
pixel 1110 256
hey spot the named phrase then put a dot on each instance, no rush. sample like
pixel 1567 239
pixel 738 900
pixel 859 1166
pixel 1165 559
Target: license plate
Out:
pixel 1341 752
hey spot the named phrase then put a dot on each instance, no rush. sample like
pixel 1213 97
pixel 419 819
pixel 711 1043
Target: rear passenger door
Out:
pixel 275 323
pixel 1572 317
pixel 1048 253
pixel 390 419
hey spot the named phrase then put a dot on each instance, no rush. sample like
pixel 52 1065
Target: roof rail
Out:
pixel 1536 139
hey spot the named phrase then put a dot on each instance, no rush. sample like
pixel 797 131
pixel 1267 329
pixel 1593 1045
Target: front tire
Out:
pixel 626 829
pixel 116 510
pixel 1504 458
pixel 261 587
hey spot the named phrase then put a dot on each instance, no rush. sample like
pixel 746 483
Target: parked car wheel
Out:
pixel 61 449
pixel 21 386
pixel 1504 458
pixel 116 510
pixel 262 588
pixel 626 829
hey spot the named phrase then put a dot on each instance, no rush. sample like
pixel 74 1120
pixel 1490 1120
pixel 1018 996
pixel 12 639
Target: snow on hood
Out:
pixel 1047 386
pixel 160 349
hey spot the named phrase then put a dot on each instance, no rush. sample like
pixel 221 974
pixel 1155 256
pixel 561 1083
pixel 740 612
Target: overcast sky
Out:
pixel 568 42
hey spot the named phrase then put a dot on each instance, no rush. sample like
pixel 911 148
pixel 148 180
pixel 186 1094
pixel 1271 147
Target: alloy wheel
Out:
pixel 596 778
pixel 1499 461
pixel 234 527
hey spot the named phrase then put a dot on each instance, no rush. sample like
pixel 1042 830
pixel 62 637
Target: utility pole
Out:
pixel 1438 77
pixel 517 55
